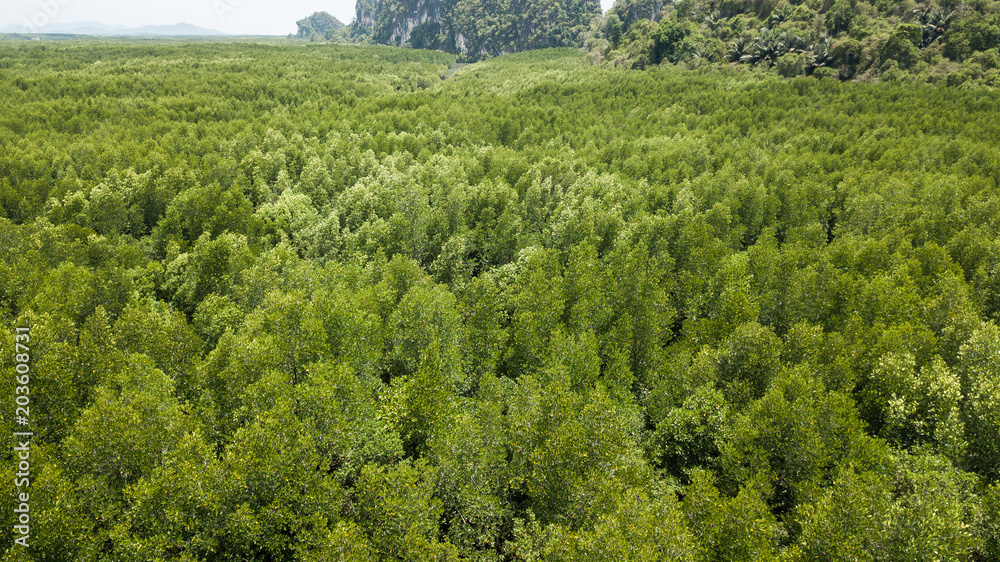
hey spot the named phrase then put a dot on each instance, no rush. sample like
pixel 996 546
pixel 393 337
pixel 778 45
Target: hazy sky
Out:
pixel 263 17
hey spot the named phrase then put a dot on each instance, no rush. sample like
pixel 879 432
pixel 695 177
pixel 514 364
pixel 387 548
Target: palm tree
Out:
pixel 793 43
pixel 819 54
pixel 780 15
pixel 712 19
pixel 738 48
pixel 935 23
pixel 701 52
pixel 768 45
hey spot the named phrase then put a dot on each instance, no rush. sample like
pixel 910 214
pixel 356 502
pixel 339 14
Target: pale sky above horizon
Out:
pixel 237 17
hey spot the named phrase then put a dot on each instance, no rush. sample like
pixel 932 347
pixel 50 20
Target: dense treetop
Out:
pixel 313 302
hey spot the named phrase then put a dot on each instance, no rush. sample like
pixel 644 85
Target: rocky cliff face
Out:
pixel 392 22
pixel 631 11
pixel 476 27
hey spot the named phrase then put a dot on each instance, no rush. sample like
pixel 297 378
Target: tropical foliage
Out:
pixel 931 41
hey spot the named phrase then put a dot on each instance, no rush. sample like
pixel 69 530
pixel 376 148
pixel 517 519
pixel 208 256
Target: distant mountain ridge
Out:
pixel 101 29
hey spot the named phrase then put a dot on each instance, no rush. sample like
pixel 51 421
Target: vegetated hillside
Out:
pixel 475 28
pixel 322 25
pixel 315 303
pixel 947 41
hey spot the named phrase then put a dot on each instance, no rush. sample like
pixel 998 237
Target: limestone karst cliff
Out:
pixel 475 28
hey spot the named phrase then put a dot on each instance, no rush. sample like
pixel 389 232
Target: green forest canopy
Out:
pixel 316 303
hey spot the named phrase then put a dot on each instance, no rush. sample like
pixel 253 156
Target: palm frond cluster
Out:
pixel 935 22
pixel 769 44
